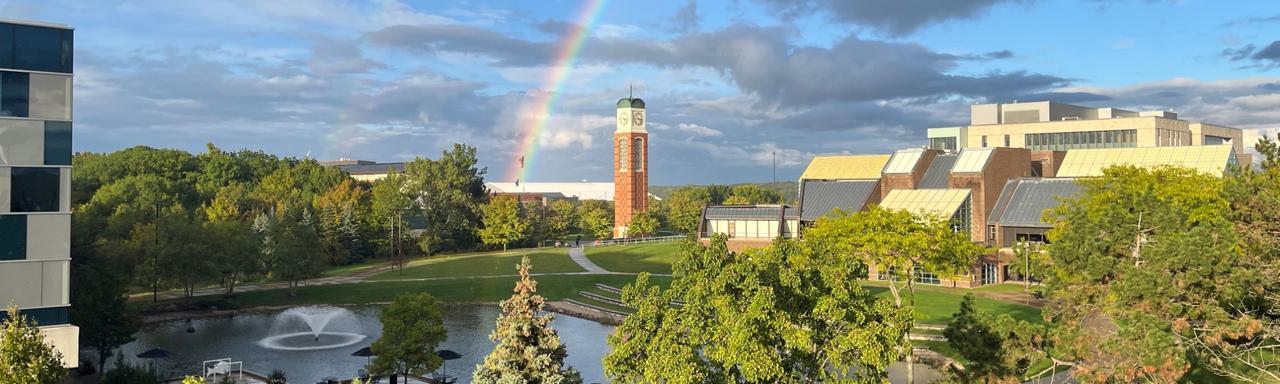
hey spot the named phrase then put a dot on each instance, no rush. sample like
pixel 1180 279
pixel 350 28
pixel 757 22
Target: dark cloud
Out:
pixel 1001 54
pixel 1270 52
pixel 334 56
pixel 898 17
pixel 686 18
pixel 759 60
pixel 1065 97
pixel 1240 53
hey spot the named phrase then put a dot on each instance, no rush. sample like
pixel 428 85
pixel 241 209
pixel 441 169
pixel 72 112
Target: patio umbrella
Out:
pixel 447 355
pixel 154 353
pixel 363 352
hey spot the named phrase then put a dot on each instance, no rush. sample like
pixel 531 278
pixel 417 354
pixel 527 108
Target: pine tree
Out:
pixel 25 357
pixel 528 350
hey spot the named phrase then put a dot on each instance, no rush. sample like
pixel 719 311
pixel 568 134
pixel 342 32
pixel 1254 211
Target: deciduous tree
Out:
pixel 790 313
pixel 503 223
pixel 412 327
pixel 642 224
pixel 25 356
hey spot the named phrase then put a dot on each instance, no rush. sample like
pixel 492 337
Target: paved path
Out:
pixel 580 257
pixel 251 287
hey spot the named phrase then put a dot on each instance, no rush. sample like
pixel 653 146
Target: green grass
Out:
pixel 484 264
pixel 354 268
pixel 1010 287
pixel 468 290
pixel 935 306
pixel 652 258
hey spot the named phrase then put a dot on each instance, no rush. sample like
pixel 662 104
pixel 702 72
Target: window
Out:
pixel 57 143
pixel 991 234
pixel 13 237
pixel 960 219
pixel 1215 140
pixel 6 45
pixel 984 141
pixel 623 155
pixel 1006 140
pixel 42 48
pixel 637 159
pixel 943 143
pixel 990 274
pixel 49 96
pixel 14 93
pixel 1061 141
pixel 922 276
pixel 1037 168
pixel 34 189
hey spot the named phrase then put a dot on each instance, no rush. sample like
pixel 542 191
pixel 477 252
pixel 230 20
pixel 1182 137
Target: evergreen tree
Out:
pixel 25 357
pixel 528 350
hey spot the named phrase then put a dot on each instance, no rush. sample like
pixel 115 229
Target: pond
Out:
pixel 284 340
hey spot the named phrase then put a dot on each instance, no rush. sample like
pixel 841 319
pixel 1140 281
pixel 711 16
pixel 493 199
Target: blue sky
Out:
pixel 727 83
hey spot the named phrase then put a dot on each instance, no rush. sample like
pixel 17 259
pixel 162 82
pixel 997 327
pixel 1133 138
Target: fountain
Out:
pixel 312 328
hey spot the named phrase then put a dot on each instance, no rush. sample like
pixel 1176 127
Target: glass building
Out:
pixel 35 177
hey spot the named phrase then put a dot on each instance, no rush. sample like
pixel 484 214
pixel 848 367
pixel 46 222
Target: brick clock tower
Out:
pixel 630 164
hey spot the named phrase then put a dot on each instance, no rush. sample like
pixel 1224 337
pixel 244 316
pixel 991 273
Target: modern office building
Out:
pixel 35 177
pixel 1047 125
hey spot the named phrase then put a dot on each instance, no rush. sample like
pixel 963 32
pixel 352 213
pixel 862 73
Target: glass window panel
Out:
pixel 57 143
pixel 14 93
pixel 6 45
pixel 34 189
pixel 40 49
pixel 50 96
pixel 13 237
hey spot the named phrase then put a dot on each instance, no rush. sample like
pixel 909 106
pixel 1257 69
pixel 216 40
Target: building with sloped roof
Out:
pixel 749 226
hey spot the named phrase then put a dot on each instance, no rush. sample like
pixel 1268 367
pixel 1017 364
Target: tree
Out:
pixel 390 203
pixel 290 246
pixel 528 349
pixel 340 232
pixel 563 219
pixel 450 192
pixel 1030 261
pixel 684 208
pixel 503 223
pixel 1257 219
pixel 598 221
pixel 642 224
pixel 900 244
pixel 233 249
pixel 752 194
pixel 412 327
pixel 995 348
pixel 790 313
pixel 1149 278
pixel 25 357
pixel 99 293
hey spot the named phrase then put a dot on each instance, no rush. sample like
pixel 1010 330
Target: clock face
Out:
pixel 638 117
pixel 622 120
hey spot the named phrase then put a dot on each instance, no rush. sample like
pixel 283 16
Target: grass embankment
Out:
pixel 554 260
pixel 652 258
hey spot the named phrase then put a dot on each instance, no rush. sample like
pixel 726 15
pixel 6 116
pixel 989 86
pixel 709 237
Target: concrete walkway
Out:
pixel 580 257
pixel 251 287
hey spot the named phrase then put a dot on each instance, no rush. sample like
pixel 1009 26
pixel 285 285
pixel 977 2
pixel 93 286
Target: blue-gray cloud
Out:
pixel 898 17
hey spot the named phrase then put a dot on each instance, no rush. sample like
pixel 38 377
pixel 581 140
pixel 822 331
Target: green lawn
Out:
pixel 468 290
pixel 354 268
pixel 935 305
pixel 652 258
pixel 1010 287
pixel 484 264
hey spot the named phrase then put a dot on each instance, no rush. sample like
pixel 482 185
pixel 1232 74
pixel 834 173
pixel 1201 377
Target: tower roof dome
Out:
pixel 630 102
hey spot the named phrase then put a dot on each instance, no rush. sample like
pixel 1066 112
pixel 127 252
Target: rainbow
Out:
pixel 566 53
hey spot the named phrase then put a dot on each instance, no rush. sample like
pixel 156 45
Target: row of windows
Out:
pixel 35 48
pixel 918 274
pixel 34 189
pixel 1216 140
pixel 960 220
pixel 1061 141
pixel 43 316
pixel 629 159
pixel 1172 138
pixel 35 95
pixel 943 143
pixel 13 237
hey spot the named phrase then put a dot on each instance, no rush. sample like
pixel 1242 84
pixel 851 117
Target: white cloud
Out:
pixel 698 130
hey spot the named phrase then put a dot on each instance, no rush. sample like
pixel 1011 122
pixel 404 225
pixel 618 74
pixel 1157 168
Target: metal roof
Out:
pixel 972 160
pixel 845 167
pixel 824 196
pixel 904 160
pixel 750 212
pixel 1023 201
pixel 1211 159
pixel 371 169
pixel 943 202
pixel 580 190
pixel 936 176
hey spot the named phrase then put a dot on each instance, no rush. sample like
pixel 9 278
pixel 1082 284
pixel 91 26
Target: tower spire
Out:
pixel 631 90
